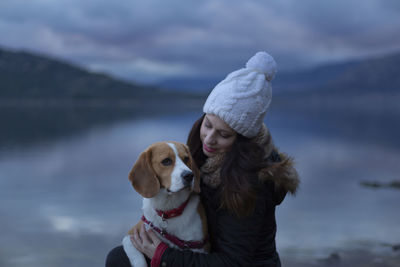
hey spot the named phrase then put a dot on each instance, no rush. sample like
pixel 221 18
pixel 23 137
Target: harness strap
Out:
pixel 175 240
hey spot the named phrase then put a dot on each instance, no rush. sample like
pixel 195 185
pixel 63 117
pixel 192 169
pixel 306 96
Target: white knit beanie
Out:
pixel 243 97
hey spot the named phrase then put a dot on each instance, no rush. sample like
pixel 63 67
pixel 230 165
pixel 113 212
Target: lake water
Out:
pixel 65 198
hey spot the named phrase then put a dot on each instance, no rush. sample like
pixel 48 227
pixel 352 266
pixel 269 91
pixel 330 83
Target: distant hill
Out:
pixel 24 74
pixel 200 85
pixel 371 86
pixel 374 74
pixel 27 77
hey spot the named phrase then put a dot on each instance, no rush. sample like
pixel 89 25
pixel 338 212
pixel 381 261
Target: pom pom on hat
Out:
pixel 264 63
pixel 243 97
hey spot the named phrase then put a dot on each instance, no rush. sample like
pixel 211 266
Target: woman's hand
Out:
pixel 145 241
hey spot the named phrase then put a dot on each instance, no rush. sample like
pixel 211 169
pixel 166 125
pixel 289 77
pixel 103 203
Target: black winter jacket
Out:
pixel 248 241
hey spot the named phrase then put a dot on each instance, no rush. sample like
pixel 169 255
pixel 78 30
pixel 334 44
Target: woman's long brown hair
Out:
pixel 238 171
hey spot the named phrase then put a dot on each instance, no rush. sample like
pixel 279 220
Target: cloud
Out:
pixel 344 29
pixel 150 40
pixel 71 225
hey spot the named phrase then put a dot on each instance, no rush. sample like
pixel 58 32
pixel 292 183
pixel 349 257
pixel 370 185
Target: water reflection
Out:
pixel 62 198
pixel 22 127
pixel 65 200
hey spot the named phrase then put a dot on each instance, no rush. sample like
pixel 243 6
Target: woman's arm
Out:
pixel 234 241
pixel 234 245
pixel 149 244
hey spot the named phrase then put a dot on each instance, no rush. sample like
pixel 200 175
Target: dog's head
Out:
pixel 166 165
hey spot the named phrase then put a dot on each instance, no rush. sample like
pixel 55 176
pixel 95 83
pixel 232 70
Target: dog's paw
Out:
pixel 135 256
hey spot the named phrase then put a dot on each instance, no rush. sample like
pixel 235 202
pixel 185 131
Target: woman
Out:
pixel 243 176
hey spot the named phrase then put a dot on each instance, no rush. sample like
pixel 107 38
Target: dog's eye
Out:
pixel 166 162
pixel 186 160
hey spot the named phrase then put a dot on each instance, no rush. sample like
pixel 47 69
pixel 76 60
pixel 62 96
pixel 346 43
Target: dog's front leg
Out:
pixel 135 256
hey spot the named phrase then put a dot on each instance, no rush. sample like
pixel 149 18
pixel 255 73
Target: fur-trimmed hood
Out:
pixel 281 171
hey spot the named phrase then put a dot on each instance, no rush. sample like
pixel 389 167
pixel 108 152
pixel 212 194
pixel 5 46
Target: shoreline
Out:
pixel 387 255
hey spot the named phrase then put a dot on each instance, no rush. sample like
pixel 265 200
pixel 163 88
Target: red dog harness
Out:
pixel 173 239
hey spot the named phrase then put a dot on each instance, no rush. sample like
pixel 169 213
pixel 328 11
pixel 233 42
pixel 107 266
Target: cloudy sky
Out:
pixel 149 41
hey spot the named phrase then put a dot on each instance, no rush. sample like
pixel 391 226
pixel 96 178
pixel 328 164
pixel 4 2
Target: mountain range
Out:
pixel 371 74
pixel 32 79
pixel 25 75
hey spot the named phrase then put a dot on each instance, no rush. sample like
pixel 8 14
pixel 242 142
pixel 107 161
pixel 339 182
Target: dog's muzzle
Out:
pixel 187 177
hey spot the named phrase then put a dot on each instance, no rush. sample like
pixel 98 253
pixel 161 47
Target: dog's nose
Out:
pixel 187 176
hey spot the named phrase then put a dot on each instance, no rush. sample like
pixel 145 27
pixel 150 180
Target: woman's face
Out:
pixel 216 136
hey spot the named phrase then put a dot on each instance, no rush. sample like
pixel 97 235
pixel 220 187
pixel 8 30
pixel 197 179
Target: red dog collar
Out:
pixel 167 214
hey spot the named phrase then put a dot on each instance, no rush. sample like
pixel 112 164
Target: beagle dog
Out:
pixel 167 177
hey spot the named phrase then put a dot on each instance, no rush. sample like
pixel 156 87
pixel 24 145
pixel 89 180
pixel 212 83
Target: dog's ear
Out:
pixel 143 176
pixel 196 172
